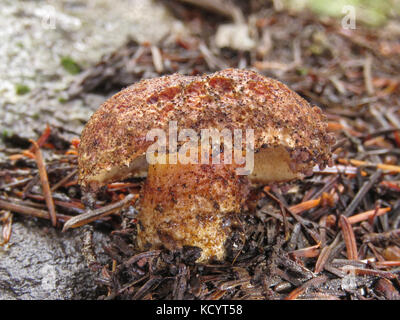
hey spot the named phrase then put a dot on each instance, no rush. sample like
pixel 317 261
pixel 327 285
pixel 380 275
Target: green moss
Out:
pixel 21 89
pixel 70 65
pixel 302 71
pixel 5 134
pixel 62 100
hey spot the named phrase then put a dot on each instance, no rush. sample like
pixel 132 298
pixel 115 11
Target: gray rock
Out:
pixel 41 262
pixel 35 35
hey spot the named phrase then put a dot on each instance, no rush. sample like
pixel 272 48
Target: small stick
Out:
pixel 310 283
pixel 294 238
pixel 227 285
pixel 16 183
pixel 154 280
pixel 306 205
pixel 309 252
pixel 42 139
pixel 212 61
pixel 28 154
pixel 336 126
pixel 326 254
pixel 349 238
pixel 139 256
pixel 322 258
pixel 7 227
pixel 385 236
pixel 391 185
pixel 285 222
pixel 30 211
pixel 387 264
pixel 375 251
pixel 216 295
pixel 371 272
pixel 295 216
pixel 157 59
pixel 64 180
pixel 368 214
pixel 75 205
pixel 45 183
pixel 337 272
pixel 382 166
pixel 367 75
pixel 91 216
pixel 361 193
pixel 127 286
pixel 122 185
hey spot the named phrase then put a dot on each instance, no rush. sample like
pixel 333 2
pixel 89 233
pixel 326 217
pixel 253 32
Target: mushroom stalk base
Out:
pixel 190 205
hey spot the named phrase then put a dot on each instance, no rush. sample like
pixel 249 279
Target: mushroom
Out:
pixel 194 204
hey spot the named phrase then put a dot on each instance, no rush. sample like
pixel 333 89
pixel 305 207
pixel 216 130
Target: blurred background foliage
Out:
pixel 369 12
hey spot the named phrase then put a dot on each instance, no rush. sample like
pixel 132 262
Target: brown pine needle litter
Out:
pixel 386 167
pixel 45 183
pixel 349 238
pixel 333 235
pixel 367 215
pixel 306 205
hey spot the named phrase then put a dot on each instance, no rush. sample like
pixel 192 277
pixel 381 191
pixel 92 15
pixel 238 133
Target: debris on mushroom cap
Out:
pixel 114 140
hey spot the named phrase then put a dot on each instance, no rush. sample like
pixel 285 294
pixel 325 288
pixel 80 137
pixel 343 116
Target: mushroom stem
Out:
pixel 190 205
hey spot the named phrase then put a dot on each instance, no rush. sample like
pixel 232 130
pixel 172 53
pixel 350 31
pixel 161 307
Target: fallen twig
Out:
pixel 64 180
pixel 91 216
pixel 310 283
pixel 45 183
pixel 30 211
pixel 367 215
pixel 361 193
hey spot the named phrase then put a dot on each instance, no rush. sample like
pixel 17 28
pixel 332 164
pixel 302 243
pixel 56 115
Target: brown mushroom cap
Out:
pixel 287 130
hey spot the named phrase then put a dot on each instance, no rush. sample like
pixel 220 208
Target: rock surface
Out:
pixel 41 262
pixel 36 36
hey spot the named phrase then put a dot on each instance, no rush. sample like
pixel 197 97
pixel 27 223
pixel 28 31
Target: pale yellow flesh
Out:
pixel 272 165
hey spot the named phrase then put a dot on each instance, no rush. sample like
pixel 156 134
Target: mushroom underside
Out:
pixel 270 165
pixel 274 165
